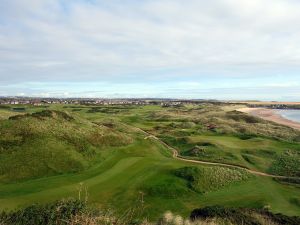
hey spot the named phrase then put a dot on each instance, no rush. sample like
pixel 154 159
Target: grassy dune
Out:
pixel 51 142
pixel 120 172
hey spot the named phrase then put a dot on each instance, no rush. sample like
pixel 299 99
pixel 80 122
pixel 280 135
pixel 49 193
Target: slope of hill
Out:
pixel 51 142
pixel 211 133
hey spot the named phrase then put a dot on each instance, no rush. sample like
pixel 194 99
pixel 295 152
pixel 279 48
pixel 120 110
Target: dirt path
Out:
pixel 178 157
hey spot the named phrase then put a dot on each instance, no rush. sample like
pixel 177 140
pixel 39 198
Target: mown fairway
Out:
pixel 131 171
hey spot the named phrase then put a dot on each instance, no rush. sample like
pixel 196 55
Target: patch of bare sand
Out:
pixel 271 115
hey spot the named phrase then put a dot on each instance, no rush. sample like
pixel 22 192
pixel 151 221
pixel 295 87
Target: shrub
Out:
pixel 287 164
pixel 57 213
pixel 243 216
pixel 210 178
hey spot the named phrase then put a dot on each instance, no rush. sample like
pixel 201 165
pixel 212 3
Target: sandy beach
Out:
pixel 271 115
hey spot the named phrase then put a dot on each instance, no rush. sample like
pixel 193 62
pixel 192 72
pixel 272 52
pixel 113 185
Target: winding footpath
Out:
pixel 178 157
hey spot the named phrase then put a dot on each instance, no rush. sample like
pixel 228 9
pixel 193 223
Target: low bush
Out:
pixel 57 213
pixel 243 216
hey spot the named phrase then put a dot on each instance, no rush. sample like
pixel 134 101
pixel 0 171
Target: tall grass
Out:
pixel 208 179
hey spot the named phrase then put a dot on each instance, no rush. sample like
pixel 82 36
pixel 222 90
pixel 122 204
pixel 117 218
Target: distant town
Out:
pixel 96 101
pixel 39 101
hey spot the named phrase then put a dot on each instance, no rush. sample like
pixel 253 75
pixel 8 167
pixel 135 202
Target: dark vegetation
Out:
pixel 287 164
pixel 110 109
pixel 4 107
pixel 244 216
pixel 19 109
pixel 45 114
pixel 75 212
pixel 57 213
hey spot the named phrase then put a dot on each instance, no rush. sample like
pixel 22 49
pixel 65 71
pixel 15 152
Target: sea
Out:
pixel 290 114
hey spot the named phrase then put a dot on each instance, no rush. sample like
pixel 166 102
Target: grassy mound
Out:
pixel 206 179
pixel 287 164
pixel 208 151
pixel 242 117
pixel 45 114
pixel 51 142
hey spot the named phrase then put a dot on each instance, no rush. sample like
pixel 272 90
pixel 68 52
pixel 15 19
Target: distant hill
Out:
pixel 51 142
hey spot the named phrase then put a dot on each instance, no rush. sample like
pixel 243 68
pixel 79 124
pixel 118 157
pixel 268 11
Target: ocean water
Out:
pixel 290 114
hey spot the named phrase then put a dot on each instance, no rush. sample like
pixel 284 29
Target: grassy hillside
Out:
pixel 119 167
pixel 221 134
pixel 51 142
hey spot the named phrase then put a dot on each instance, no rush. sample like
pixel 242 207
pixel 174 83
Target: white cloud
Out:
pixel 43 40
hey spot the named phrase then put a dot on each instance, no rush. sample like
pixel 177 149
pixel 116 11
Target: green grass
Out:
pixel 118 168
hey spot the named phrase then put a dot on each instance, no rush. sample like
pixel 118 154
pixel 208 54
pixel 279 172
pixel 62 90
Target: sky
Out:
pixel 195 49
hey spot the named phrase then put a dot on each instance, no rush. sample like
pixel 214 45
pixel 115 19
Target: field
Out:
pixel 101 153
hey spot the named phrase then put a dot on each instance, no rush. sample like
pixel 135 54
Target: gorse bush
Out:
pixel 57 213
pixel 243 216
pixel 74 212
pixel 287 164
pixel 207 179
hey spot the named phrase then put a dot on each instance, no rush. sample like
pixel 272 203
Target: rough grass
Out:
pixel 208 179
pixel 243 216
pixel 229 123
pixel 60 212
pixel 287 164
pixel 210 152
pixel 51 142
pixel 76 212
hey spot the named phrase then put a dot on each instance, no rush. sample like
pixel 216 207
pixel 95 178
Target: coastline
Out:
pixel 270 115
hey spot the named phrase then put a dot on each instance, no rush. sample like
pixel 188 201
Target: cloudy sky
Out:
pixel 217 49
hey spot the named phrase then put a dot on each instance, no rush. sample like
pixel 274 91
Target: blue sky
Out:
pixel 218 49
